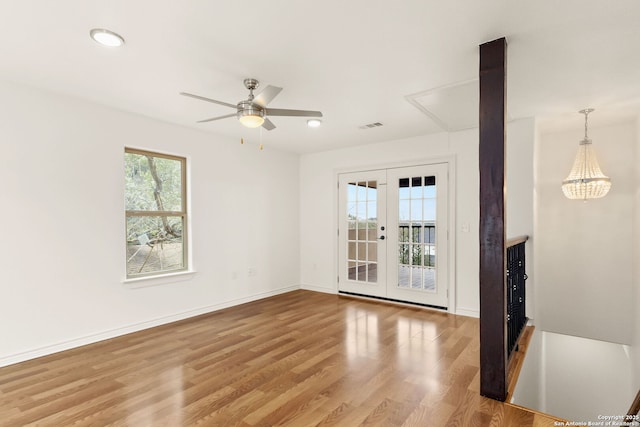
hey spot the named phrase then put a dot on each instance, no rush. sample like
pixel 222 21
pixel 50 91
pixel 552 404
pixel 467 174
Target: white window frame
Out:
pixel 165 276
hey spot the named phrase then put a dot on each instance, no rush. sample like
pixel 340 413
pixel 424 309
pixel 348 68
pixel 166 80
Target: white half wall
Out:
pixel 529 391
pixel 583 251
pixel 574 378
pixel 63 251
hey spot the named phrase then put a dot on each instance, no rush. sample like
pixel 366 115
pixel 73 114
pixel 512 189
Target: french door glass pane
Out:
pixel 362 224
pixel 416 232
pixel 429 212
pixel 351 270
pixel 362 190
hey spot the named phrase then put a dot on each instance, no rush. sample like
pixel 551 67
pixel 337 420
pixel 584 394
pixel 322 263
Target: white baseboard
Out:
pixel 468 312
pixel 318 289
pixel 101 336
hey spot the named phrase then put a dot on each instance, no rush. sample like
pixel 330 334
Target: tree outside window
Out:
pixel 155 203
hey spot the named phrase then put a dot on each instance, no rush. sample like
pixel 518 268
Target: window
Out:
pixel 156 213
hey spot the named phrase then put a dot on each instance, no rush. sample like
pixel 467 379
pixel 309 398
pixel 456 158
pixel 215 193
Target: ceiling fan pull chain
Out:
pixel 261 146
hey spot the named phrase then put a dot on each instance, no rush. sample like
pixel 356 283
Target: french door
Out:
pixel 392 234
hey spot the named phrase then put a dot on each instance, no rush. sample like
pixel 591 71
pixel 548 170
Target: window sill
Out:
pixel 163 279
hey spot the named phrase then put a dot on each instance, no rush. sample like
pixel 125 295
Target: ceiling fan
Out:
pixel 253 111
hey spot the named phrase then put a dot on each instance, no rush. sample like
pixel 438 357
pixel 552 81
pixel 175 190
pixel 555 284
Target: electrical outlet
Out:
pixel 253 271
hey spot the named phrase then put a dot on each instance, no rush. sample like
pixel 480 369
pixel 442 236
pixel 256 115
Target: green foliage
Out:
pixel 361 224
pixel 416 254
pixel 140 187
pixel 153 228
pixel 403 254
pixel 412 251
pixel 146 192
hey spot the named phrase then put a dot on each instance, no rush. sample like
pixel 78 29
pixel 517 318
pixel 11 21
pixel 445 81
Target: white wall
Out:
pixel 583 251
pixel 529 391
pixel 62 217
pixel 519 195
pixel 519 169
pixel 635 349
pixel 574 378
pixel 318 200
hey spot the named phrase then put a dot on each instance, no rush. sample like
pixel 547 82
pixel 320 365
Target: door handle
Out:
pixel 381 238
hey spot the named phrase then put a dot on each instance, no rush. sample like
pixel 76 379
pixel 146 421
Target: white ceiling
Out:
pixel 355 60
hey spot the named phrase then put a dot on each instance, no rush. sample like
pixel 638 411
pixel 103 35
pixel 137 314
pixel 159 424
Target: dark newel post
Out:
pixel 493 342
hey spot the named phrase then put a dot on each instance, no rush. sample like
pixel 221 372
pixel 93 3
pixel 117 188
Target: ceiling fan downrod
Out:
pixel 251 84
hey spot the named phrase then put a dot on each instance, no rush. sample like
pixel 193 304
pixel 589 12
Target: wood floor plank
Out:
pixel 297 359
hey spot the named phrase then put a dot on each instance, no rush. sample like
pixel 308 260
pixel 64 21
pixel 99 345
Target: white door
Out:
pixel 417 242
pixel 393 234
pixel 362 252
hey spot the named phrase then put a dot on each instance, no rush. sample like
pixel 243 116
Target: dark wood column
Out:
pixel 493 342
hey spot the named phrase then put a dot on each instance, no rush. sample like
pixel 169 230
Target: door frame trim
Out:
pixel 451 206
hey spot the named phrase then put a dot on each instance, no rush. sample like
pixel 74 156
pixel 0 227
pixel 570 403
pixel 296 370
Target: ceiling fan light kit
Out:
pixel 250 116
pixel 253 111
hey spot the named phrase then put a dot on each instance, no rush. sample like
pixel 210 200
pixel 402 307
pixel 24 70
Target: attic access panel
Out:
pixel 453 107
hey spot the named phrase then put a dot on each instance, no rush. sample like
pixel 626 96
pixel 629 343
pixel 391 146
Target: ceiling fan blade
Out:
pixel 267 95
pixel 217 118
pixel 293 113
pixel 268 124
pixel 202 98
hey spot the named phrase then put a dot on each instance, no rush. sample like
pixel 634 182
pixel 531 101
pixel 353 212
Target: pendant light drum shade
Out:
pixel 586 180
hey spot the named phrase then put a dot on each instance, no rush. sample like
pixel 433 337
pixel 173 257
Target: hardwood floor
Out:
pixel 298 359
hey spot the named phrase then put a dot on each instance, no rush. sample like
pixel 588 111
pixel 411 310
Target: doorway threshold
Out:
pixel 397 301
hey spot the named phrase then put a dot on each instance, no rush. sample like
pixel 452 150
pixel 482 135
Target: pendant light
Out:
pixel 586 180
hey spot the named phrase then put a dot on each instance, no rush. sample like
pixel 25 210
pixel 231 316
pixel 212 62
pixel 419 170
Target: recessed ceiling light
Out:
pixel 314 123
pixel 106 37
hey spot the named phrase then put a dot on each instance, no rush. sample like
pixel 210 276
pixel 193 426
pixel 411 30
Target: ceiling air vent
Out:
pixel 370 125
